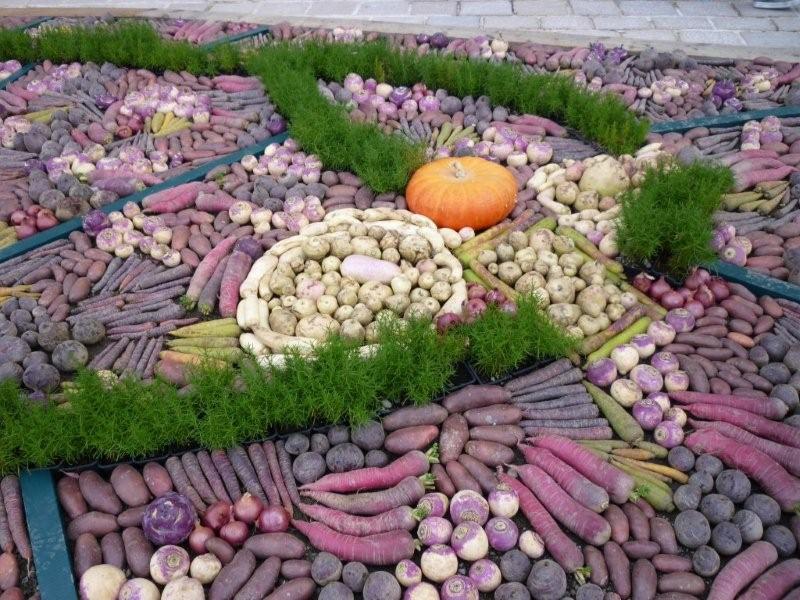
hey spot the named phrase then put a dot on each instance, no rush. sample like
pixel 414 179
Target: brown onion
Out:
pixel 198 538
pixel 247 508
pixel 643 282
pixel 235 533
pixel 704 296
pixel 719 288
pixel 696 308
pixel 273 519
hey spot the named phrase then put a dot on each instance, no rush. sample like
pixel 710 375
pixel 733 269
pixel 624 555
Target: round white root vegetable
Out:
pixel 139 589
pixel 183 588
pixel 205 568
pixel 168 563
pixel 101 582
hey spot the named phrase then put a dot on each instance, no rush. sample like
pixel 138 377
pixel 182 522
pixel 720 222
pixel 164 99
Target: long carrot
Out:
pixel 205 270
pixel 12 499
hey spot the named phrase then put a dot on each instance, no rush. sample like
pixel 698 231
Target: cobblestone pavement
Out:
pixel 716 27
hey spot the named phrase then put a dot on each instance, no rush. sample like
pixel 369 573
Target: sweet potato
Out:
pixel 454 435
pixel 86 553
pixel 282 545
pixel 94 522
pixel 410 438
pixel 98 493
pixel 233 576
pixel 412 416
pixel 129 485
pixel 491 454
pixel 138 551
pixel 70 498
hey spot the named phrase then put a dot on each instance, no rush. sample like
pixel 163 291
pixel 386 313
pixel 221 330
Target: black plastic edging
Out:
pixel 237 37
pixel 33 23
pixel 51 557
pixel 724 120
pixel 759 284
pixel 62 230
pixel 24 70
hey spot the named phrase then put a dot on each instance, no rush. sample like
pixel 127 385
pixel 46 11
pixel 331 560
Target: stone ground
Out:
pixel 705 27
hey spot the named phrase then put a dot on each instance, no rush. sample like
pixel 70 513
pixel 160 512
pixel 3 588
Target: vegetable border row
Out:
pixel 62 230
pixel 725 120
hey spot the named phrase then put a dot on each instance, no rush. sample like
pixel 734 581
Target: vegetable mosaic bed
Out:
pixel 429 270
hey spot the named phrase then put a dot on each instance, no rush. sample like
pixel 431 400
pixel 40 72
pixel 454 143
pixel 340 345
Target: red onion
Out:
pixel 447 321
pixel 719 288
pixel 671 299
pixel 273 519
pixel 247 508
pixel 704 296
pixel 473 309
pixel 475 290
pixel 659 288
pixel 198 538
pixel 508 307
pixel 218 514
pixel 694 307
pixel 643 282
pixel 647 413
pixel 235 533
pixel 696 279
pixel 668 434
pixel 494 296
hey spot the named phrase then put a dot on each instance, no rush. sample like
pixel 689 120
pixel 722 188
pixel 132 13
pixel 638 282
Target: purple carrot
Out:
pixel 141 366
pixel 164 277
pixel 113 353
pixel 277 477
pixel 124 358
pixel 198 480
pixel 212 476
pixel 540 375
pixel 261 465
pixel 12 500
pixel 136 356
pixel 226 472
pixel 245 472
pixel 580 411
pixel 182 484
pixel 6 541
pixel 151 362
pixel 285 464
pixel 207 300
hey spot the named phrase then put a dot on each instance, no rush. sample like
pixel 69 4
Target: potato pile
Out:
pixel 346 273
pixel 576 290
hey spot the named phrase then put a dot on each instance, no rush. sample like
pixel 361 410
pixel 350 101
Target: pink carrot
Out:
pixel 379 549
pixel 587 525
pixel 411 464
pixel 173 199
pixel 205 270
pixel 737 157
pixel 235 273
pixel 741 570
pixel 406 493
pixel 777 432
pixel 787 456
pixel 562 548
pixel 776 582
pixel 771 408
pixel 751 178
pixel 402 517
pixel 551 127
pixel 617 483
pixel 588 494
pixel 774 479
pixel 12 499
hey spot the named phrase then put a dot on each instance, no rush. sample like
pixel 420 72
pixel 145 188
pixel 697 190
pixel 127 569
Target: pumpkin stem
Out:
pixel 458 170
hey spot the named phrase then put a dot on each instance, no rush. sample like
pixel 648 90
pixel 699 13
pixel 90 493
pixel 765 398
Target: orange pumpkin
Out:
pixel 462 192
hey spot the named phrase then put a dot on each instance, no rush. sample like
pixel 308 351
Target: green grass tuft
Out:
pixel 667 221
pixel 499 342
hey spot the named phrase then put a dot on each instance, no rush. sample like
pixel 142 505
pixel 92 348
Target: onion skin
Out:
pixel 218 514
pixel 273 519
pixel 247 508
pixel 659 288
pixel 198 538
pixel 671 299
pixel 235 533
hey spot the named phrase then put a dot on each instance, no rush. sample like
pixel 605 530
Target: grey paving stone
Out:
pixel 771 39
pixel 622 22
pixel 595 7
pixel 655 35
pixel 489 7
pixel 744 23
pixel 542 8
pixel 524 22
pixel 437 7
pixel 457 21
pixel 567 22
pixel 707 36
pixel 679 23
pixel 705 8
pixel 396 7
pixel 646 8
